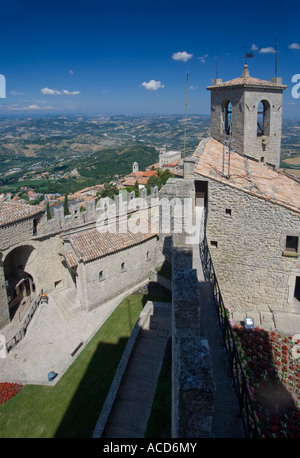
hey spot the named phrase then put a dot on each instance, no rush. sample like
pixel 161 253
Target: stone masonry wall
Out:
pixel 45 263
pixel 193 386
pixel 138 262
pixel 255 275
pixel 244 121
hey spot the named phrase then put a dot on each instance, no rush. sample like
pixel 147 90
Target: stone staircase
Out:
pixel 67 302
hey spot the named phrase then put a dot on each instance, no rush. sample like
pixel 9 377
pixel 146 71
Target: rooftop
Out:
pixel 250 176
pixel 248 81
pixel 11 212
pixel 91 244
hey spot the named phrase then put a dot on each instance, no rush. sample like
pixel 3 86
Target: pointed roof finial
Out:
pixel 246 71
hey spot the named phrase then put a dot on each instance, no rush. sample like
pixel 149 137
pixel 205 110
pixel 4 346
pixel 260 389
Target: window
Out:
pixel 291 244
pixel 214 243
pixel 148 257
pixel 227 114
pixel 101 275
pixel 35 223
pixel 297 289
pixel 228 211
pixel 263 118
pixel 123 267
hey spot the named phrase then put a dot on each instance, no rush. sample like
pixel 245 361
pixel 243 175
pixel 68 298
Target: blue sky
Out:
pixel 133 57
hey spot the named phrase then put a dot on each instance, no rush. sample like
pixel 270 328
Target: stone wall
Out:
pixel 45 262
pixel 193 386
pixel 192 379
pixel 244 121
pixel 125 202
pixel 138 262
pixel 246 236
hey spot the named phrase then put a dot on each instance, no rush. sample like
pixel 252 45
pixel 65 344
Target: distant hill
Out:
pixel 99 147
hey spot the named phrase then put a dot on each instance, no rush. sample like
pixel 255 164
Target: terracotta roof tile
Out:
pixel 70 259
pixel 248 81
pixel 92 244
pixel 248 175
pixel 11 212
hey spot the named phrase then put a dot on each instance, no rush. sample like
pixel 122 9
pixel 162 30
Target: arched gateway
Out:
pixel 18 227
pixel 19 281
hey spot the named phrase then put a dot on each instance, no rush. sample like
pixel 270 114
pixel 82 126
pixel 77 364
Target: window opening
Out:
pixel 227 114
pixel 291 243
pixel 297 289
pixel 263 118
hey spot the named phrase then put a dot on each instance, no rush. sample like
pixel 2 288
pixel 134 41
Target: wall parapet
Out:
pixel 193 385
pixel 123 203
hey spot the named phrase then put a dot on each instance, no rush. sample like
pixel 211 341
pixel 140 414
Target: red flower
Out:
pixel 8 391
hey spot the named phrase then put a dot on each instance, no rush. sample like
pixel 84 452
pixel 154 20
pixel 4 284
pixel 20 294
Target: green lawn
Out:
pixel 70 408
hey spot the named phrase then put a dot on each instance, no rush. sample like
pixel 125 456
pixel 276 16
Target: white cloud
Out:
pixel 71 72
pixel 32 107
pixel 183 56
pixel 29 107
pixel 203 58
pixel 153 85
pixel 47 91
pixel 70 92
pixel 15 92
pixel 267 50
pixel 254 48
pixel 294 46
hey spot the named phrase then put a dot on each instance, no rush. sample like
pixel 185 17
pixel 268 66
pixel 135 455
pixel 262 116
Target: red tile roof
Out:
pixel 248 175
pixel 11 212
pixel 91 244
pixel 248 81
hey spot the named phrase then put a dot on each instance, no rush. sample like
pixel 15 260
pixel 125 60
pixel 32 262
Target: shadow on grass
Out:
pixel 82 414
pixel 83 411
pixel 156 292
pixel 159 423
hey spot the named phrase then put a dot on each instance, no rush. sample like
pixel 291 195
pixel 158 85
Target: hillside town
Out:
pixel 168 160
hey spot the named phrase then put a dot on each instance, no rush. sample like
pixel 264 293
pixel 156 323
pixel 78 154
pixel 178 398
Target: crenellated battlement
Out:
pixel 123 203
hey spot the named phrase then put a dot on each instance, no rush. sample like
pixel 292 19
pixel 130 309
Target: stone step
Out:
pixel 68 302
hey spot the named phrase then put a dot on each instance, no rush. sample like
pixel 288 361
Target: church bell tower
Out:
pixel 248 111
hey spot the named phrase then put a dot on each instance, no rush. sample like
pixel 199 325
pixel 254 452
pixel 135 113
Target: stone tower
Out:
pixel 249 111
pixel 135 167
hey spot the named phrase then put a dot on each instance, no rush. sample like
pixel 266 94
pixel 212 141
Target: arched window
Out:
pixel 227 116
pixel 263 118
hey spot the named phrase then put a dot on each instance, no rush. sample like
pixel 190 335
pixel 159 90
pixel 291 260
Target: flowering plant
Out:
pixel 272 368
pixel 8 391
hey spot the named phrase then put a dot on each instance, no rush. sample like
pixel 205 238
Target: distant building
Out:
pixel 135 167
pixel 167 157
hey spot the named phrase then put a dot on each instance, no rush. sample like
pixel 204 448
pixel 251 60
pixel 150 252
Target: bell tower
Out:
pixel 249 111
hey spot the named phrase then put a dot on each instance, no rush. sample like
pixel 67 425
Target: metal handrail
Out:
pixel 240 381
pixel 21 333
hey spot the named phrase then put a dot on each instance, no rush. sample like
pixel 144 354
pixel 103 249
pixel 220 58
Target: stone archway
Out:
pixel 18 280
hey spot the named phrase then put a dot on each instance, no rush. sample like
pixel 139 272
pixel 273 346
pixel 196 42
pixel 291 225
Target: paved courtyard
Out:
pixel 50 339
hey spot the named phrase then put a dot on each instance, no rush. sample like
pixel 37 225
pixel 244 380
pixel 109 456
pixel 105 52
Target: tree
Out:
pixel 66 206
pixel 48 211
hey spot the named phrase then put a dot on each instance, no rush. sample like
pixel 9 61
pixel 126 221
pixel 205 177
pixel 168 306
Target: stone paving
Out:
pixel 50 339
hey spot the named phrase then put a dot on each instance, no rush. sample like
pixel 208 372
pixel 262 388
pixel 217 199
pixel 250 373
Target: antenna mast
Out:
pixel 276 59
pixel 186 101
pixel 217 70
